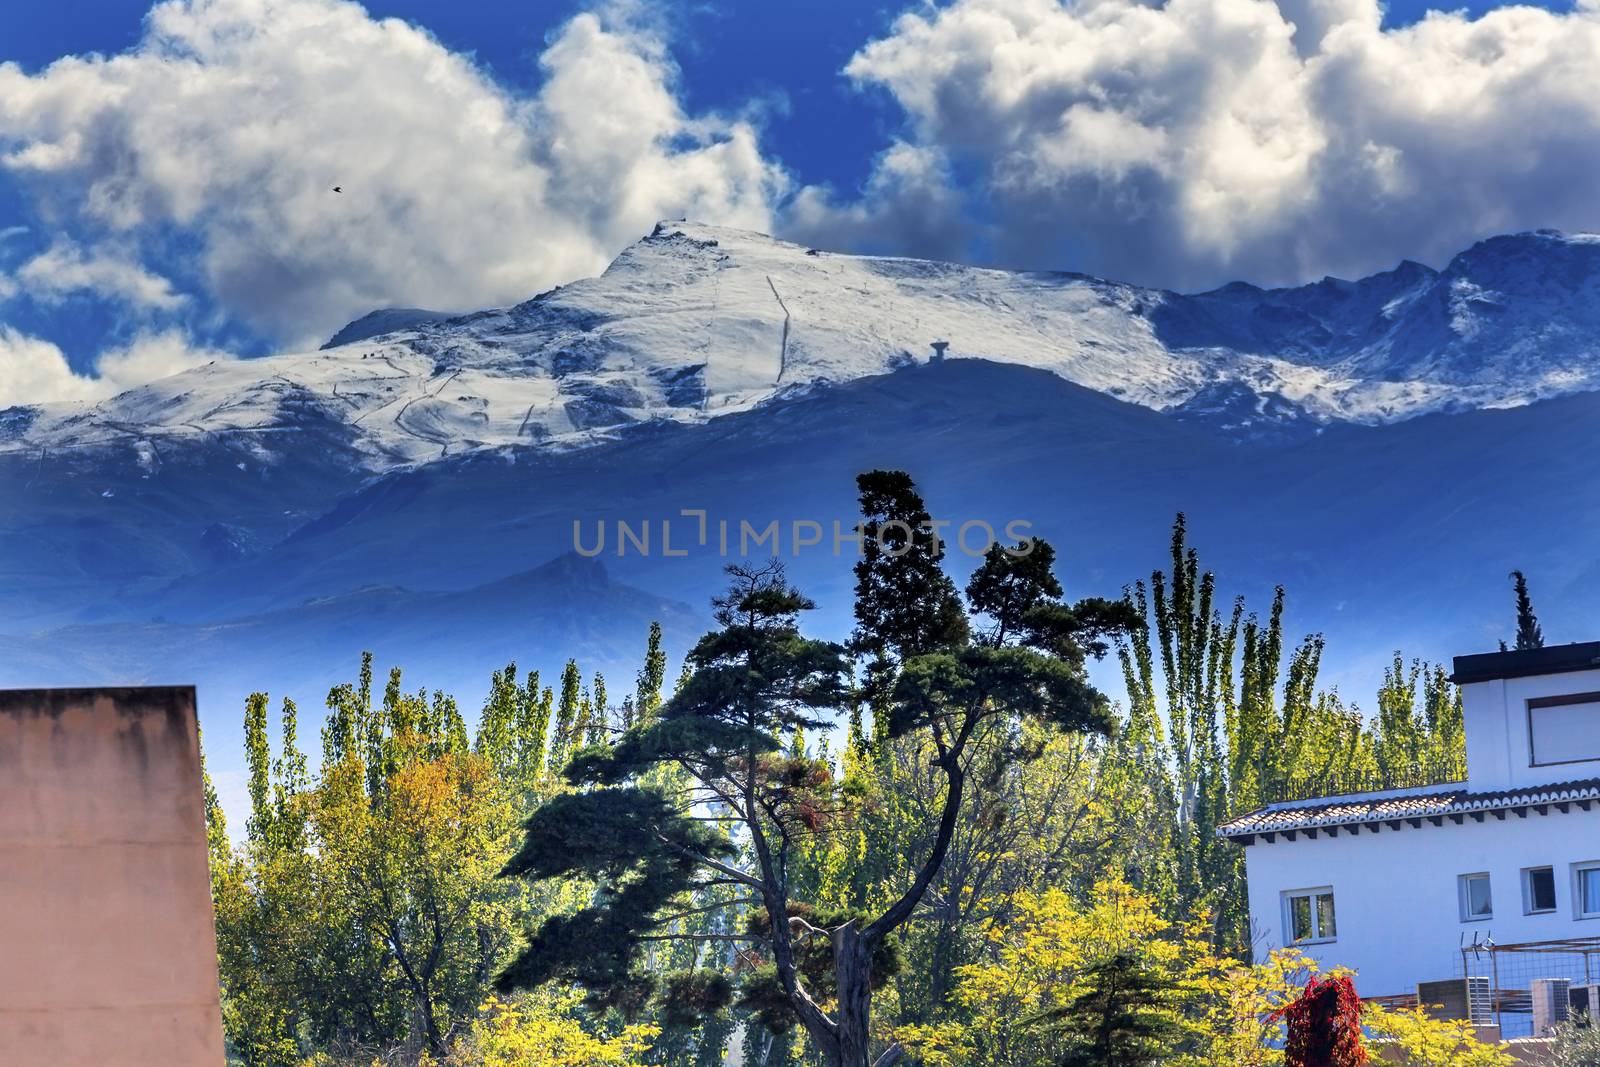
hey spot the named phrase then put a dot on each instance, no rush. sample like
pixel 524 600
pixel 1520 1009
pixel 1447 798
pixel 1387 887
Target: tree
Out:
pixel 363 909
pixel 1529 635
pixel 1324 1025
pixel 936 672
pixel 1043 957
pixel 1429 1042
pixel 534 1033
pixel 1577 1043
pixel 1122 1018
pixel 599 719
pixel 652 676
pixel 1223 717
pixel 568 728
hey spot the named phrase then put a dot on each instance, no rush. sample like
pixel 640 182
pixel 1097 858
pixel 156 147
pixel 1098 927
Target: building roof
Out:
pixel 1552 659
pixel 1393 807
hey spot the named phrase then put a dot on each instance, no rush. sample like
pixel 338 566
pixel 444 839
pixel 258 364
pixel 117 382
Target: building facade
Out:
pixel 1497 873
pixel 108 956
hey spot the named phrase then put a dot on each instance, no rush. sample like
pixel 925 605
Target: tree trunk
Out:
pixel 852 969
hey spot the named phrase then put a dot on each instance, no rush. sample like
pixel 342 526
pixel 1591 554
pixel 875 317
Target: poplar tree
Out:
pixel 652 677
pixel 599 723
pixel 567 714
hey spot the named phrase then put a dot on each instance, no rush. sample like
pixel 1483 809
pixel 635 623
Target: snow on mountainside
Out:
pixel 697 321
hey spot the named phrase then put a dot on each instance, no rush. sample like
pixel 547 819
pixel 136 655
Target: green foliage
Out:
pixel 954 687
pixel 755 680
pixel 1122 1018
pixel 905 603
pixel 989 842
pixel 1577 1043
pixel 1529 633
pixel 643 853
pixel 1219 723
pixel 647 696
pixel 363 910
pixel 1429 1042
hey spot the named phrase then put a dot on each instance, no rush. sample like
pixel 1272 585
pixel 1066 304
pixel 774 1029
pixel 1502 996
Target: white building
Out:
pixel 1394 884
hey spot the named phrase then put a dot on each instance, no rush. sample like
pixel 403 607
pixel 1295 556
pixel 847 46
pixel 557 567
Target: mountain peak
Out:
pixel 694 322
pixel 380 322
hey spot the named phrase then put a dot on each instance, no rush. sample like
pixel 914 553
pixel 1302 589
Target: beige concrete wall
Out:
pixel 107 946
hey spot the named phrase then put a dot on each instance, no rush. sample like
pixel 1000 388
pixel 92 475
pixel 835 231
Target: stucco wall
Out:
pixel 1396 897
pixel 1496 719
pixel 107 948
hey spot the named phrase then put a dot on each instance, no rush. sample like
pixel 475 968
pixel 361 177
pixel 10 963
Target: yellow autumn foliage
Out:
pixel 540 1032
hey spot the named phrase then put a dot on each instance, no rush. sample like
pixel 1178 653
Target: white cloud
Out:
pixel 1179 143
pixel 34 371
pixel 1196 140
pixel 232 120
pixel 65 268
pixel 909 206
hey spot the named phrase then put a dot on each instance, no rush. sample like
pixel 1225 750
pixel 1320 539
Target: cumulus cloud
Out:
pixel 34 371
pixel 232 120
pixel 910 206
pixel 1198 140
pixel 65 268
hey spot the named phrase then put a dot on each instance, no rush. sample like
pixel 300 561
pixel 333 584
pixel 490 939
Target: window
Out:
pixel 1564 729
pixel 1475 900
pixel 1538 890
pixel 1586 877
pixel 1308 914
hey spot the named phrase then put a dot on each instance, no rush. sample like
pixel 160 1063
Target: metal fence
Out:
pixel 1528 979
pixel 1333 782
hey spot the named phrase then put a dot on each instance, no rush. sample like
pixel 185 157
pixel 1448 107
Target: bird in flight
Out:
pixel 337 189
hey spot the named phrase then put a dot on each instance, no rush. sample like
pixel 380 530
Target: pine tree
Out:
pixel 1122 1018
pixel 1529 635
pixel 905 603
pixel 749 687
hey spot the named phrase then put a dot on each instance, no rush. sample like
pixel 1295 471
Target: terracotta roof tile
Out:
pixel 1449 799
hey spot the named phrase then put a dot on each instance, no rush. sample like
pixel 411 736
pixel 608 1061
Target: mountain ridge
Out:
pixel 694 322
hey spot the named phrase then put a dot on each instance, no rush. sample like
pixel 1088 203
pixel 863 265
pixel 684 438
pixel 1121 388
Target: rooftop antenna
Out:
pixel 938 350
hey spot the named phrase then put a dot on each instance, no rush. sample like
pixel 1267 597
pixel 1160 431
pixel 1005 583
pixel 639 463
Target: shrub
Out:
pixel 1577 1044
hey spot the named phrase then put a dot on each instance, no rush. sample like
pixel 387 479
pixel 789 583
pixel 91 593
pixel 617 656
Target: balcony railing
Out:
pixel 1334 783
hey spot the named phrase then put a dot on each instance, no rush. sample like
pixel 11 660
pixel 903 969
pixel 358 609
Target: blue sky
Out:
pixel 165 200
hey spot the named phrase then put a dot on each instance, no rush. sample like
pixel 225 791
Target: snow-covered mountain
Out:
pixel 1386 448
pixel 695 322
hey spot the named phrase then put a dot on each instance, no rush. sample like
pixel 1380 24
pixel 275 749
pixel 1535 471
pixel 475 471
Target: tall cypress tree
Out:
pixel 1529 635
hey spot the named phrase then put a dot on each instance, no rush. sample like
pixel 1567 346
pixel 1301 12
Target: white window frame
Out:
pixel 1578 870
pixel 1289 896
pixel 1464 897
pixel 1527 890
